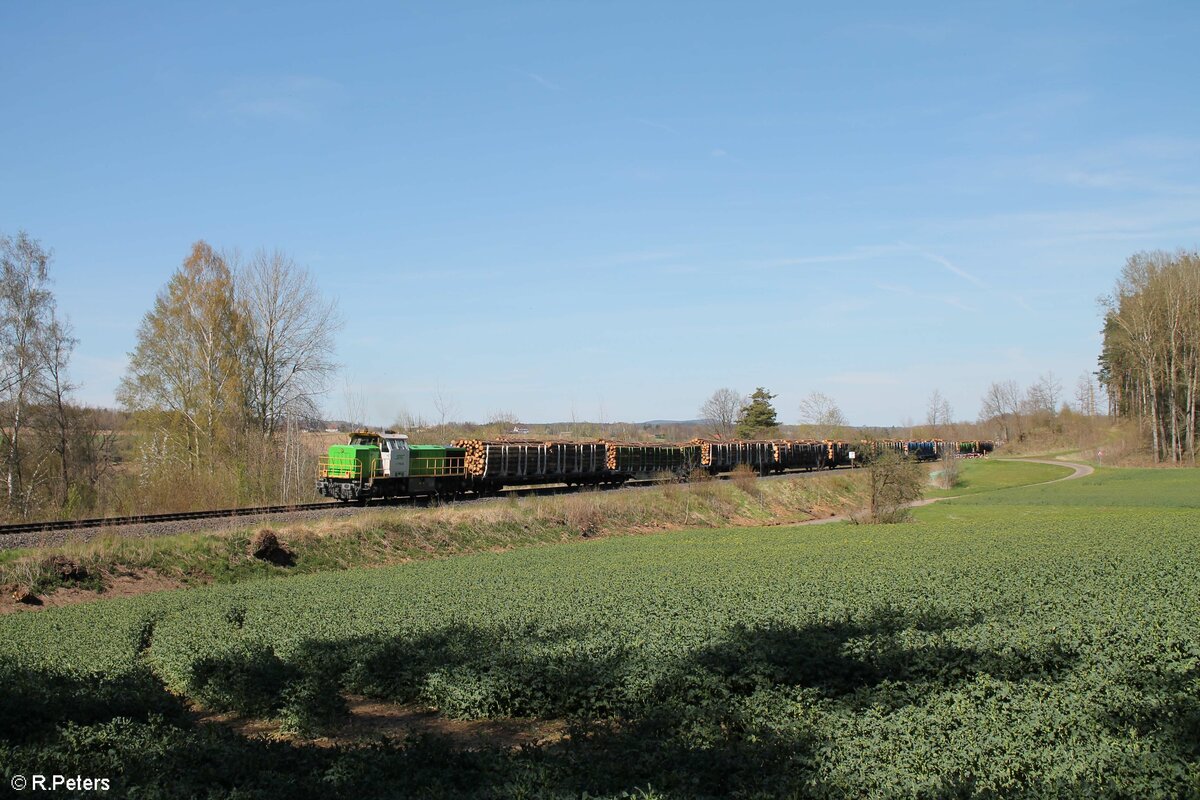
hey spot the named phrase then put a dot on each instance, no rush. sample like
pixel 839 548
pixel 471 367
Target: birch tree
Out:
pixel 186 365
pixel 1150 364
pixel 26 312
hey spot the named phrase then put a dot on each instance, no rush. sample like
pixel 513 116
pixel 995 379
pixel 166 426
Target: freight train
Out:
pixel 381 465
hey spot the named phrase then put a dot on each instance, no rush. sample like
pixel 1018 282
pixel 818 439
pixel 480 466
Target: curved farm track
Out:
pixel 1081 470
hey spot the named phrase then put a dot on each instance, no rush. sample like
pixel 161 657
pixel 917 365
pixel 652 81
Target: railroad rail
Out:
pixel 141 519
pixel 48 526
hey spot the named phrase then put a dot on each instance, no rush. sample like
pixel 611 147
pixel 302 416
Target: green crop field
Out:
pixel 1117 488
pixel 1039 641
pixel 979 475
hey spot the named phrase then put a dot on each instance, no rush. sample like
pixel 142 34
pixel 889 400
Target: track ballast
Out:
pixel 144 519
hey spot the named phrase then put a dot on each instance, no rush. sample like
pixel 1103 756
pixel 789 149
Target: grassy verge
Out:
pixel 390 536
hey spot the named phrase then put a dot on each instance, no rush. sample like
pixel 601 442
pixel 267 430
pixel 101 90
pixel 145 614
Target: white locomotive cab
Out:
pixel 393 452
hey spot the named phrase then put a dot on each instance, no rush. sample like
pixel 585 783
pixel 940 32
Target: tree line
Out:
pixel 226 371
pixel 728 414
pixel 1150 361
pixel 55 453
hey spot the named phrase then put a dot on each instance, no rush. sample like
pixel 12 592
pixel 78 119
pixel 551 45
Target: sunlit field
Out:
pixel 1038 641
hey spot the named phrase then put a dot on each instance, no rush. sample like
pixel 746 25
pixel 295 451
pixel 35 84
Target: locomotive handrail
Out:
pixel 346 467
pixel 438 466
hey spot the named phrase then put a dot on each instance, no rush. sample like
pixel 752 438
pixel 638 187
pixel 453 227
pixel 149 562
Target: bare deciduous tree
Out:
pixel 1002 403
pixel 354 405
pixel 51 447
pixel 289 339
pixel 444 404
pixel 55 398
pixel 503 421
pixel 1042 398
pixel 938 414
pixel 1085 395
pixel 822 412
pixel 407 421
pixel 720 411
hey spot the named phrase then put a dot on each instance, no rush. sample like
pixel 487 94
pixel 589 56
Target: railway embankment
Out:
pixel 121 562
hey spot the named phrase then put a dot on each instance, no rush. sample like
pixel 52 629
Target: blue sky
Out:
pixel 611 209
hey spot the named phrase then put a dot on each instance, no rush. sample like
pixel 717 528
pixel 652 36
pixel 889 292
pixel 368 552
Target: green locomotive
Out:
pixel 375 465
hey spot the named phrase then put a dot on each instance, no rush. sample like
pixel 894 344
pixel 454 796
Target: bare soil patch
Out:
pixel 124 585
pixel 371 719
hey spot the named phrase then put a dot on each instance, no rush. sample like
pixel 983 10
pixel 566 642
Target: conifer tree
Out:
pixel 757 418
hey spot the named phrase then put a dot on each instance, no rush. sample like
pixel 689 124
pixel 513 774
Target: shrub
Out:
pixel 583 513
pixel 668 484
pixel 948 471
pixel 745 478
pixel 894 482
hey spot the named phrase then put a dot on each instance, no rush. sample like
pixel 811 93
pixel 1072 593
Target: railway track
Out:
pixel 143 519
pixel 49 526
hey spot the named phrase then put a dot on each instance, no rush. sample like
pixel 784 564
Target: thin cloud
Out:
pixel 1149 165
pixel 294 98
pixel 1152 219
pixel 863 253
pixel 871 252
pixel 543 82
pixel 863 379
pixel 1027 115
pixel 907 291
pixel 649 123
pixel 1020 301
pixel 644 256
pixel 950 266
pixel 724 155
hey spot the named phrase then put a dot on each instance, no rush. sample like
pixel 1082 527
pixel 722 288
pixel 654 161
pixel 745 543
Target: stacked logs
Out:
pixel 718 454
pixel 650 457
pixel 579 458
pixel 524 458
pixel 802 453
pixel 487 457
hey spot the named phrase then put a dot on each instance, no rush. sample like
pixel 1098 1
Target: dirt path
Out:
pixel 1081 470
